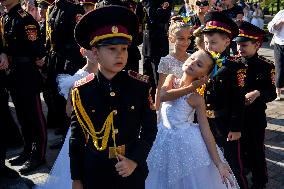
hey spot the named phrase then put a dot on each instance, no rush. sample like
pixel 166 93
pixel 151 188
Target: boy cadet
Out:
pixel 224 94
pixel 113 122
pixel 260 89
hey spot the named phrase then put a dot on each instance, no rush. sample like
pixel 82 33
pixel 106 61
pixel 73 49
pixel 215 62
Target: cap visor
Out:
pixel 242 39
pixel 114 41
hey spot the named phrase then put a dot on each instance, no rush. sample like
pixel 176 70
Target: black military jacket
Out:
pixel 155 38
pixel 225 95
pixel 62 18
pixel 21 43
pixel 21 34
pixel 261 77
pixel 135 119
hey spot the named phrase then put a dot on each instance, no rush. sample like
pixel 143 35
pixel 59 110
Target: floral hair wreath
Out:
pixel 218 61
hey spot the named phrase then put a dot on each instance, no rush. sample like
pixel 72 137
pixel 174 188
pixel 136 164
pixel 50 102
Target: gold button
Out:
pixel 208 92
pixel 221 80
pixel 209 80
pixel 114 112
pixel 115 131
pixel 112 93
pixel 132 107
pixel 208 105
pixel 93 111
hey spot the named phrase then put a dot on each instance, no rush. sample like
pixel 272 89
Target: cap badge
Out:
pixel 114 29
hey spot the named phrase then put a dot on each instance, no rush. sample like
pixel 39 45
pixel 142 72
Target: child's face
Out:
pixel 216 42
pixel 198 64
pixel 112 58
pixel 181 39
pixel 248 49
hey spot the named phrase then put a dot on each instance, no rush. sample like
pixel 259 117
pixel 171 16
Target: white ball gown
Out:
pixel 59 176
pixel 179 158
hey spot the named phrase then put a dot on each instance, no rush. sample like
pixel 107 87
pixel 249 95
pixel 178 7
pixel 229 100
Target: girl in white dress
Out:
pixel 257 17
pixel 179 37
pixel 59 176
pixel 184 154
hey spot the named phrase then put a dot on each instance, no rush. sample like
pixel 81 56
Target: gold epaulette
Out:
pixel 22 13
pixel 84 80
pixel 138 76
pixel 265 59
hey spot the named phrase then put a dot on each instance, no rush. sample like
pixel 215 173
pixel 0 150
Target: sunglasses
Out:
pixel 202 4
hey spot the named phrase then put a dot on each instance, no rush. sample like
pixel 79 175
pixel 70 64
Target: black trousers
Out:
pixel 279 65
pixel 150 68
pixel 100 172
pixel 56 103
pixel 253 150
pixel 231 149
pixel 33 125
pixel 4 111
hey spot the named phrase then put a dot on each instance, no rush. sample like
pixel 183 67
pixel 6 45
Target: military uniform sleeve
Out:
pixel 268 90
pixel 148 129
pixel 237 99
pixel 76 148
pixel 32 36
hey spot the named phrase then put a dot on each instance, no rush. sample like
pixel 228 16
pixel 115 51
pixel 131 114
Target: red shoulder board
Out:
pixel 84 80
pixel 138 76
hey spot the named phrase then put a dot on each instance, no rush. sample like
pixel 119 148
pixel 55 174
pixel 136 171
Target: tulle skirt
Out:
pixel 59 177
pixel 179 159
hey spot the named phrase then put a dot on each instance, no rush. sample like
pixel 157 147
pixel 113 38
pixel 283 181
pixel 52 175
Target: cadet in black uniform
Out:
pixel 25 54
pixel 260 89
pixel 113 123
pixel 5 172
pixel 64 57
pixel 155 39
pixel 42 9
pixel 224 94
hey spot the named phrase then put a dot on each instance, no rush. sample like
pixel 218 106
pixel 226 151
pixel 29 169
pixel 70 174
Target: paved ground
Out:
pixel 274 144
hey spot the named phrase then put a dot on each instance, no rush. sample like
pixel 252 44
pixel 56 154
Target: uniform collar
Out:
pixel 104 81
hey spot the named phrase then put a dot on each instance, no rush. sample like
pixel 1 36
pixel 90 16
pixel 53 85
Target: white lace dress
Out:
pixel 179 158
pixel 170 65
pixel 59 176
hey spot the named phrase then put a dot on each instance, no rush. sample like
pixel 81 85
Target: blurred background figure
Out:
pixel 155 39
pixel 31 6
pixel 187 9
pixel 276 26
pixel 235 12
pixel 247 13
pixel 257 16
pixel 88 5
pixel 63 57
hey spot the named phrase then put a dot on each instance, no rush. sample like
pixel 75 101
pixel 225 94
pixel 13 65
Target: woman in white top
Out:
pixel 276 26
pixel 246 13
pixel 257 17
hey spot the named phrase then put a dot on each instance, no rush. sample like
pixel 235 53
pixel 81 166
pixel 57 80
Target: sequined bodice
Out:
pixel 176 113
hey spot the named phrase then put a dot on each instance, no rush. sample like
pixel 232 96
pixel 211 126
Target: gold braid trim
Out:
pixel 89 128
